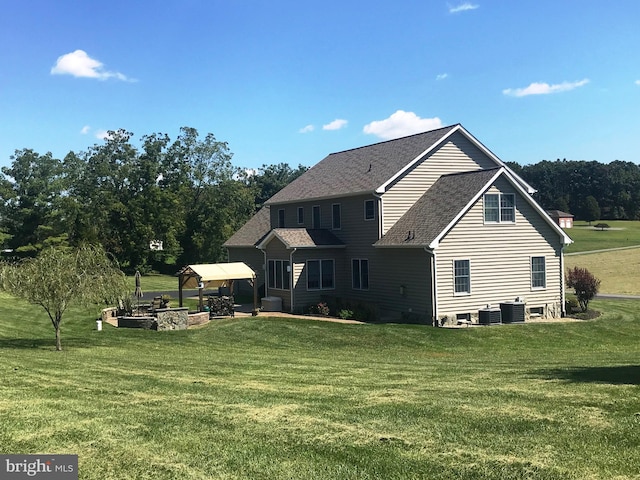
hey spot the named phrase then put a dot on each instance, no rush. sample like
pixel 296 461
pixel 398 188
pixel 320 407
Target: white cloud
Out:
pixel 103 135
pixel 307 129
pixel 442 76
pixel 337 124
pixel 544 88
pixel 401 124
pixel 79 64
pixel 637 82
pixel 463 7
pixel 85 129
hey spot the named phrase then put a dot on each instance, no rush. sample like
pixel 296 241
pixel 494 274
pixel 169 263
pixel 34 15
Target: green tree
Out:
pixel 591 210
pixel 58 278
pixel 270 179
pixel 31 191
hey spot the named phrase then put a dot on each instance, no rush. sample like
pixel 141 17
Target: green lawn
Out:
pixel 269 398
pixel 155 283
pixel 618 270
pixel 624 233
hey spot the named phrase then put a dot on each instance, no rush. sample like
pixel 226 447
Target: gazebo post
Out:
pixel 254 312
pixel 180 281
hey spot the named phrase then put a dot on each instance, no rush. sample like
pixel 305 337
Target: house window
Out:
pixel 461 277
pixel 499 208
pixel 336 222
pixel 507 207
pixel 360 274
pixel 300 215
pixel 316 216
pixel 369 210
pixel 281 218
pixel 320 275
pixel 538 273
pixel 279 274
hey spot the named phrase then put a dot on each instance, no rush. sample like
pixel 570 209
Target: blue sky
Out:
pixel 285 81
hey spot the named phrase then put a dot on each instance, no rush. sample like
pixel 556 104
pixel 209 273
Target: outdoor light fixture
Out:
pixel 402 289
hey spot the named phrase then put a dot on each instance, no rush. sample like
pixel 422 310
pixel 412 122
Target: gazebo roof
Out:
pixel 214 274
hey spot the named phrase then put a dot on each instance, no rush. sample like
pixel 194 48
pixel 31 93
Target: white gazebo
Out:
pixel 216 275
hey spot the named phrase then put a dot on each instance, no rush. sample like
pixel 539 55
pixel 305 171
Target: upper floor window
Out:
pixel 320 274
pixel 499 208
pixel 369 210
pixel 315 216
pixel 281 218
pixel 461 277
pixel 300 215
pixel 336 220
pixel 538 273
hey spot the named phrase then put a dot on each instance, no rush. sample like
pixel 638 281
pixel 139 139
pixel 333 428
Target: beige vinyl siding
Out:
pixel 391 268
pixel 458 154
pixel 254 258
pixel 500 258
pixel 303 297
pixel 277 251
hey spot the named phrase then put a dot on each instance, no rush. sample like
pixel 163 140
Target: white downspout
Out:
pixel 265 273
pixel 434 286
pixel 291 284
pixel 562 289
pixel 380 215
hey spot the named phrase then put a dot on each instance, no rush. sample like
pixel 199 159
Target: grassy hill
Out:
pixel 273 398
pixel 623 233
pixel 618 270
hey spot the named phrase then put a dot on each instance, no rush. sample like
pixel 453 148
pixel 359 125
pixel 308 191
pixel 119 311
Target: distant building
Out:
pixel 563 219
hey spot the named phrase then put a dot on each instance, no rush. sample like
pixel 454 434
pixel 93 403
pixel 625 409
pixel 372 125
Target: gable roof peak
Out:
pixel 361 170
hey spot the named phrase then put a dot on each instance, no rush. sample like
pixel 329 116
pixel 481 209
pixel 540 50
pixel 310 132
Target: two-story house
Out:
pixel 433 225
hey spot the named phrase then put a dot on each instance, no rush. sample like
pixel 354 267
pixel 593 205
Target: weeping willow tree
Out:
pixel 59 277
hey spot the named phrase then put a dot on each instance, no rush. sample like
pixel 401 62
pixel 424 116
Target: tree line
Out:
pixel 183 193
pixel 589 190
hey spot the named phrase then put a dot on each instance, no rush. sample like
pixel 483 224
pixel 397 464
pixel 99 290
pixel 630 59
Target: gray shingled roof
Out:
pixel 558 214
pixel 307 237
pixel 431 214
pixel 359 170
pixel 253 231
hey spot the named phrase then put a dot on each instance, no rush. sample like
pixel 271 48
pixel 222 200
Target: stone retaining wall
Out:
pixel 172 318
pixel 198 318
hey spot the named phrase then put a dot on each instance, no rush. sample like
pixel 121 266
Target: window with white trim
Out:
pixel 360 274
pixel 320 275
pixel 336 216
pixel 461 277
pixel 315 216
pixel 300 215
pixel 499 208
pixel 538 272
pixel 278 274
pixel 369 210
pixel 281 218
